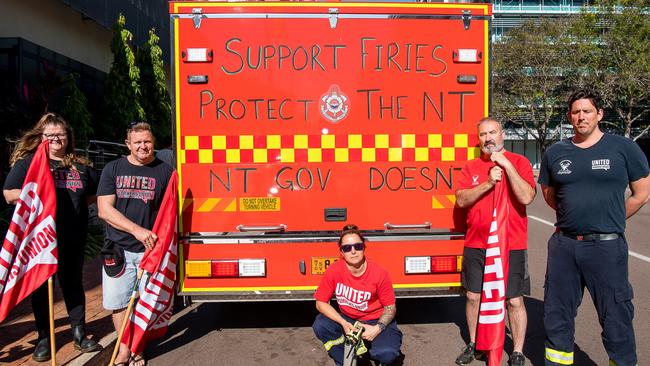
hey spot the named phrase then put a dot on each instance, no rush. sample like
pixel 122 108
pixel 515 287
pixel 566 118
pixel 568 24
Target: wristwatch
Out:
pixel 382 326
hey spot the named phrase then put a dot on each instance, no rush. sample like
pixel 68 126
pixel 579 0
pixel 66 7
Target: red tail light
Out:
pixel 225 268
pixel 433 264
pixel 446 264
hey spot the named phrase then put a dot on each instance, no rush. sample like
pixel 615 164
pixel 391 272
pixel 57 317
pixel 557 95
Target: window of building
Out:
pixel 531 5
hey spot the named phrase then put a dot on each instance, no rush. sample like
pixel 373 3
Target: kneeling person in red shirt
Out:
pixel 364 293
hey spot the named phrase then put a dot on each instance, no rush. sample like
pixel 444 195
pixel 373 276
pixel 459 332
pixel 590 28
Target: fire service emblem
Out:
pixel 334 105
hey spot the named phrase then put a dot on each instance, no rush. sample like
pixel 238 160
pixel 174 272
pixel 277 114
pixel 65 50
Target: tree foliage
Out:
pixel 530 78
pixel 604 48
pixel 155 99
pixel 613 41
pixel 122 90
pixel 75 111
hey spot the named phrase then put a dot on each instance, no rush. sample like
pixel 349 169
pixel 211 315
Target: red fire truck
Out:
pixel 294 119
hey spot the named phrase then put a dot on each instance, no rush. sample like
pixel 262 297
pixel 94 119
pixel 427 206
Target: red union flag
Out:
pixel 490 333
pixel 29 254
pixel 153 310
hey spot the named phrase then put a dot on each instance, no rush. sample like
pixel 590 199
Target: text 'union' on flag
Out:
pixel 28 256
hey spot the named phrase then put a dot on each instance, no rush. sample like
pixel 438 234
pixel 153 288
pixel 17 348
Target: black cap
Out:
pixel 113 257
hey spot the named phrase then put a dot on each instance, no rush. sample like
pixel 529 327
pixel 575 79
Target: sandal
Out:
pixel 137 360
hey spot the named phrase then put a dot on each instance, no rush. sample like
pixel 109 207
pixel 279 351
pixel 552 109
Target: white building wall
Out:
pixel 52 24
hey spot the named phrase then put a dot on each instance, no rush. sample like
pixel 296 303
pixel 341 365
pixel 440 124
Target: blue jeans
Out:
pixel 385 348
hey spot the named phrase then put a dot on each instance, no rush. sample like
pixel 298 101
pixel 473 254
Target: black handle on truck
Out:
pixel 336 214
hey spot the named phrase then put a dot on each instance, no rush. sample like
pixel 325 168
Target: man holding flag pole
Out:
pixel 129 197
pixel 154 308
pixel 495 188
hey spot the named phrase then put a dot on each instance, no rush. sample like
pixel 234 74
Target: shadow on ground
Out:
pixel 21 321
pixel 202 319
pixel 98 328
pixel 207 317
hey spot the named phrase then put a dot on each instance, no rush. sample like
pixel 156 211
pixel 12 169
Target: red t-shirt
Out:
pixel 361 298
pixel 479 215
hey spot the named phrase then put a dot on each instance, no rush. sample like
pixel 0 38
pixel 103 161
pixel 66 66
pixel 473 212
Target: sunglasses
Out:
pixel 347 248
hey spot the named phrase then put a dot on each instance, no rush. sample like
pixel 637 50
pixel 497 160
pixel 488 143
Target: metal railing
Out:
pixel 101 153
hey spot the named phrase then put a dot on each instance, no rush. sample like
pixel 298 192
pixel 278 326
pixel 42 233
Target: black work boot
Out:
pixel 82 343
pixel 517 359
pixel 469 354
pixel 42 350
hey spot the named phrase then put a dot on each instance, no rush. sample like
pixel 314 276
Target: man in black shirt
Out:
pixel 584 179
pixel 129 195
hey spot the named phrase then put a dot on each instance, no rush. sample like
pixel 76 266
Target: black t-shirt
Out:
pixel 138 191
pixel 590 183
pixel 72 186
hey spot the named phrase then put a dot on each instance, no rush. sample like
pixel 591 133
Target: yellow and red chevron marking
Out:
pixel 264 149
pixel 223 204
pixel 443 201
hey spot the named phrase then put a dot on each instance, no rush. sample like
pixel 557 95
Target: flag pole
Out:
pixel 50 296
pixel 127 315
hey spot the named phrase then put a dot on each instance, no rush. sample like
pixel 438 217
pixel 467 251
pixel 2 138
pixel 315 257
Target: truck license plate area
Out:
pixel 320 264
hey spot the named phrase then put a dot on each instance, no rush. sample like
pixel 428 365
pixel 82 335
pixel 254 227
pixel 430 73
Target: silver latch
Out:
pixel 197 16
pixel 467 18
pixel 334 17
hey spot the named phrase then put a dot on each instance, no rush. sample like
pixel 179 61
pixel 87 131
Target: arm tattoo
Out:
pixel 388 315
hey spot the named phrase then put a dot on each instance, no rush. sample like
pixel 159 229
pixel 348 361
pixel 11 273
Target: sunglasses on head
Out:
pixel 348 247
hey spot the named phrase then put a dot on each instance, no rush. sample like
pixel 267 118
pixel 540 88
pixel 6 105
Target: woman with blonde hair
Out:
pixel 75 183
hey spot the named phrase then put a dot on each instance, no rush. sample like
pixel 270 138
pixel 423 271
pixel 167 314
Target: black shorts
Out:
pixel 518 277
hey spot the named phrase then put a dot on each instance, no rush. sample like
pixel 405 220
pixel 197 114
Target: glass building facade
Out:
pixel 33 75
pixel 141 15
pixel 511 13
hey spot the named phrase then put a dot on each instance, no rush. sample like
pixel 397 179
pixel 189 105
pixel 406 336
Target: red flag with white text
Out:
pixel 28 256
pixel 490 333
pixel 151 314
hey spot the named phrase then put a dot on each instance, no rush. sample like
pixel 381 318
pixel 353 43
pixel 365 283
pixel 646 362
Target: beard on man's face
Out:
pixel 491 146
